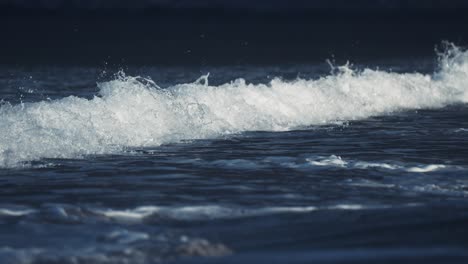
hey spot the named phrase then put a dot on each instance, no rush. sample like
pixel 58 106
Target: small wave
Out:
pixel 427 168
pixel 76 214
pixel 15 212
pixel 311 162
pixel 334 161
pixel 461 130
pixel 216 212
pixel 337 161
pixel 204 212
pixel 134 112
pixel 123 236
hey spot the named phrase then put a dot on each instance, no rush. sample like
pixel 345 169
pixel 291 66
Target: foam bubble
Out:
pixel 134 112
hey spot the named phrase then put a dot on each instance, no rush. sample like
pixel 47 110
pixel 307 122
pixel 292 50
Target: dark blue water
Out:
pixel 353 166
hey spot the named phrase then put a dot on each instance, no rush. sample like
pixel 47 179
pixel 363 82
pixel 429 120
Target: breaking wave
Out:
pixel 134 112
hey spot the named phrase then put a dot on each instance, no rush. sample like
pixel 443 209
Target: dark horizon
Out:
pixel 242 4
pixel 225 32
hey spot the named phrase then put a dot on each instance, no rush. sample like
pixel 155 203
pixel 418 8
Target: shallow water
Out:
pixel 290 164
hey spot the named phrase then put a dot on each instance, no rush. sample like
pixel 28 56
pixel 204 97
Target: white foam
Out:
pixel 191 213
pixel 461 130
pixel 202 212
pixel 427 168
pixel 382 165
pixel 130 215
pixel 348 207
pixel 15 212
pixel 210 212
pixel 134 112
pixel 124 236
pixel 333 160
pixel 312 162
pixel 337 161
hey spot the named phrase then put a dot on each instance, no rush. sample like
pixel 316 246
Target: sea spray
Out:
pixel 133 112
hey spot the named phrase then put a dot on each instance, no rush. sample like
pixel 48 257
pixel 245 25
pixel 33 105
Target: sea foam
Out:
pixel 134 112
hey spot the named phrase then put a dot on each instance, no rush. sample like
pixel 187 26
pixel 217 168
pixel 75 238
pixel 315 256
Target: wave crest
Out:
pixel 135 112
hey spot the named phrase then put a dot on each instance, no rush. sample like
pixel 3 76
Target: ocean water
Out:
pixel 236 164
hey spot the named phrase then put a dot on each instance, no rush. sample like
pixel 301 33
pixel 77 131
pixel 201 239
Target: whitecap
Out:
pixel 426 168
pixel 202 212
pixel 133 112
pixel 15 212
pixel 339 162
pixel 214 212
pixel 381 165
pixel 334 161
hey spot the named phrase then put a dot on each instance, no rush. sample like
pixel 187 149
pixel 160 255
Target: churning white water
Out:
pixel 134 112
